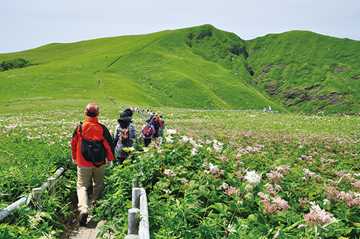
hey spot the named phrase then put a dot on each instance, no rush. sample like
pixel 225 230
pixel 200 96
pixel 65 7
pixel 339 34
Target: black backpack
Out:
pixel 92 150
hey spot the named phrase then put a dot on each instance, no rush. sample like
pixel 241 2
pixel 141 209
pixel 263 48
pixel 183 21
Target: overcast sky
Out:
pixel 30 23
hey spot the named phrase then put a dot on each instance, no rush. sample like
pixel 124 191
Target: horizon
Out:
pixel 41 22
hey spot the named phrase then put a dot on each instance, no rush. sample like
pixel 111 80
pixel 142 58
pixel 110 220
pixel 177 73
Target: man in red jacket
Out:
pixel 92 146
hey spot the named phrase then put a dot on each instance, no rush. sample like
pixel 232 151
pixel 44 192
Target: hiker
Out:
pixel 147 133
pixel 92 146
pixel 158 123
pixel 125 135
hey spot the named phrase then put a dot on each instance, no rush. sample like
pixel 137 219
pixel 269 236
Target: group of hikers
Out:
pixel 93 147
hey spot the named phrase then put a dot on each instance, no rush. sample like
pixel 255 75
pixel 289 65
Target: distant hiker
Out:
pixel 147 133
pixel 125 135
pixel 158 123
pixel 153 129
pixel 91 145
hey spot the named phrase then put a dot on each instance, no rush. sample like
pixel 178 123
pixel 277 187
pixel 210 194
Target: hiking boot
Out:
pixel 83 219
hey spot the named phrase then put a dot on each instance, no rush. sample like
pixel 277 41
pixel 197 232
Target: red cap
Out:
pixel 92 110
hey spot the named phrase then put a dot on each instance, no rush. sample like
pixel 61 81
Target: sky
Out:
pixel 27 24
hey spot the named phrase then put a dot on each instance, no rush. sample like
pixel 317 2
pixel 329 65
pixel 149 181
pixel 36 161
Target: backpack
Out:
pixel 92 150
pixel 148 131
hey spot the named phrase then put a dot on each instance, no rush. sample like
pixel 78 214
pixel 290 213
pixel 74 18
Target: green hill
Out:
pixel 198 67
pixel 158 69
pixel 307 71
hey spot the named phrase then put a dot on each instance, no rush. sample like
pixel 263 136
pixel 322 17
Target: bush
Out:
pixel 13 64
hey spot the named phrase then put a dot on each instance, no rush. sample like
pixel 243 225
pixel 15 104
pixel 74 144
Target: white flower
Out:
pixel 169 139
pixel 169 173
pixel 213 168
pixel 194 151
pixel 185 139
pixel 171 131
pixel 217 146
pixel 252 177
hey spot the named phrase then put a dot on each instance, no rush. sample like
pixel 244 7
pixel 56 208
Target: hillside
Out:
pixel 306 71
pixel 198 67
pixel 158 69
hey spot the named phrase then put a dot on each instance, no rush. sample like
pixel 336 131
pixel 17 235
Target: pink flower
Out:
pixel 273 205
pixel 351 199
pixel 356 185
pixel 231 190
pixel 318 216
pixel 281 204
pixel 273 189
pixel 214 170
pixel 274 176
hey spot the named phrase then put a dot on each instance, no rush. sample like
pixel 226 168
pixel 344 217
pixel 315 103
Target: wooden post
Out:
pixel 133 226
pixel 144 228
pixel 135 197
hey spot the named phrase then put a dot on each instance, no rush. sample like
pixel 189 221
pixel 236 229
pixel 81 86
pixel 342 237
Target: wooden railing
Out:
pixel 34 195
pixel 138 216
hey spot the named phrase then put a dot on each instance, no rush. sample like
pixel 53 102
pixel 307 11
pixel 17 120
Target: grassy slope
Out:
pixel 156 69
pixel 308 71
pixel 198 67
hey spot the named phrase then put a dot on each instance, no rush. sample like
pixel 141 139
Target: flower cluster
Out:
pixel 169 173
pixel 318 216
pixel 273 189
pixel 215 171
pixel 228 190
pixel 350 198
pixel 249 149
pixel 185 139
pixel 273 205
pixel 278 173
pixel 217 146
pixel 252 178
pixel 309 174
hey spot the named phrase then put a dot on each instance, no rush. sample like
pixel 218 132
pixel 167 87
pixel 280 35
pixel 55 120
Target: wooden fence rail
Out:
pixel 34 195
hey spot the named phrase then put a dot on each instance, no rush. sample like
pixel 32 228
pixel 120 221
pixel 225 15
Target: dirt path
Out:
pixel 88 232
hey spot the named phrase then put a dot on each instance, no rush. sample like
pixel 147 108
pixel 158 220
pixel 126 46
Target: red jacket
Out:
pixel 91 129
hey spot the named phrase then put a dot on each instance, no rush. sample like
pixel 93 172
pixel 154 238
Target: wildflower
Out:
pixel 274 176
pixel 231 190
pixel 283 169
pixel 169 173
pixel 194 151
pixel 273 205
pixel 184 180
pixel 252 177
pixel 214 170
pixel 169 139
pixel 356 184
pixel 249 149
pixel 171 131
pixel 217 146
pixel 185 139
pixel 309 174
pixel 318 216
pixel 224 186
pixel 273 189
pixel 306 157
pixel 349 198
